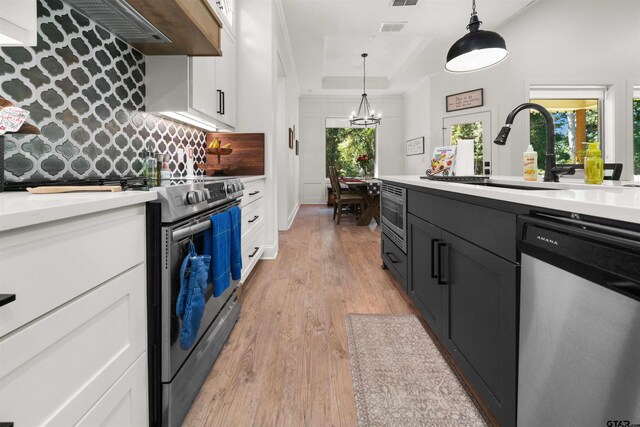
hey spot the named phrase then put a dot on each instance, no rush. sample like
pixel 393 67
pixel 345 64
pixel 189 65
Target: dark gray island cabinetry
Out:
pixel 463 277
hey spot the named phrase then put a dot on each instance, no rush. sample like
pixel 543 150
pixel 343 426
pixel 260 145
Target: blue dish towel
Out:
pixel 220 252
pixel 190 304
pixel 236 244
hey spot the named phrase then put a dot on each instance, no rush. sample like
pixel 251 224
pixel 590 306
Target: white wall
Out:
pixel 313 112
pixel 552 42
pixel 288 163
pixel 263 46
pixel 416 125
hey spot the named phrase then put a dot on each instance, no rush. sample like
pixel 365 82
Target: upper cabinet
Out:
pixel 225 10
pixel 197 90
pixel 18 23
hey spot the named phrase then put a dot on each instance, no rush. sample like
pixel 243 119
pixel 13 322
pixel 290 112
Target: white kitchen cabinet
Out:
pixel 18 23
pixel 73 343
pixel 225 11
pixel 199 90
pixel 253 220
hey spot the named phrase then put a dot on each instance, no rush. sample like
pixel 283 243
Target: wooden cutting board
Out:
pixel 72 188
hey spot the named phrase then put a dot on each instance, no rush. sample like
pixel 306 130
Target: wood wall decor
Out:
pixel 247 157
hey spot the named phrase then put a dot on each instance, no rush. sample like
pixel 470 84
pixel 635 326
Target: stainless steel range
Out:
pixel 179 218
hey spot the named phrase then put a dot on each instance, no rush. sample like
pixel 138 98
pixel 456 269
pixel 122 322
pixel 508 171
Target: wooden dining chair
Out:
pixel 342 199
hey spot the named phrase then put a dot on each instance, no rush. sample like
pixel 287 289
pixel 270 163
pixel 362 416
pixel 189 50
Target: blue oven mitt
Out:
pixel 190 304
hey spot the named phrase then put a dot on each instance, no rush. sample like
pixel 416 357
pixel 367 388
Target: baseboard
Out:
pixel 292 217
pixel 270 252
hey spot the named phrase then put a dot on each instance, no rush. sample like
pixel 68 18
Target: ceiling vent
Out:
pixel 395 3
pixel 121 19
pixel 392 27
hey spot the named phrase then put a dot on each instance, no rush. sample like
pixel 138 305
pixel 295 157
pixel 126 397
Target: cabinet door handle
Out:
pixel 392 258
pixel 219 110
pixel 254 193
pixel 434 273
pixel 6 299
pixel 256 249
pixel 223 102
pixel 443 264
pixel 255 217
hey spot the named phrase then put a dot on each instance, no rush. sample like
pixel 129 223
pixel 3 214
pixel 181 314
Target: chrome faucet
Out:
pixel 551 171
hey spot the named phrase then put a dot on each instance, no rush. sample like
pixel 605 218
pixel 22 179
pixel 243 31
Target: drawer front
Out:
pixel 252 251
pixel 252 217
pixel 65 361
pixel 125 404
pixel 48 265
pixel 395 260
pixel 491 229
pixel 253 190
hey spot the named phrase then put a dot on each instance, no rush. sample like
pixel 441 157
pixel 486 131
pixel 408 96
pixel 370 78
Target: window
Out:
pixel 578 119
pixel 345 144
pixel 636 133
pixel 475 127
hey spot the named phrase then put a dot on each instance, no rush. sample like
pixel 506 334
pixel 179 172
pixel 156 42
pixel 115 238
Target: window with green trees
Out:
pixel 473 130
pixel 576 123
pixel 345 145
pixel 636 138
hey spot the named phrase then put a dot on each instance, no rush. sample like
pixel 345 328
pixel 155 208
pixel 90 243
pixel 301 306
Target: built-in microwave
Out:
pixel 393 208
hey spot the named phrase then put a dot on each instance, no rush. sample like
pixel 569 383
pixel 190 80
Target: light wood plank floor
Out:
pixel 287 360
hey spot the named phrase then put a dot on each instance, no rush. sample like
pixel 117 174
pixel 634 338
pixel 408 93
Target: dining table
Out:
pixel 370 190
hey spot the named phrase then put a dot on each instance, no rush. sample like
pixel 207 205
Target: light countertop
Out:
pixel 611 200
pixel 20 208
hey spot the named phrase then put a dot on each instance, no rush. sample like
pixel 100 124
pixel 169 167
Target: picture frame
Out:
pixel 414 146
pixel 291 138
pixel 297 147
pixel 464 100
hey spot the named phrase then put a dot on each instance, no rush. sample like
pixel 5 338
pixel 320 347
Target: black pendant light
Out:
pixel 477 50
pixel 365 116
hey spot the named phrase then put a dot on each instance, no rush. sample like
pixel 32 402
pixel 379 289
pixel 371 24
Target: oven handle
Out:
pixel 191 230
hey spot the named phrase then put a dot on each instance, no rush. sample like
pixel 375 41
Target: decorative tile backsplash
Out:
pixel 85 90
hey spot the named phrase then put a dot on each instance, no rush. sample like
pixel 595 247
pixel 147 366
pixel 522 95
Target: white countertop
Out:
pixel 20 208
pixel 610 200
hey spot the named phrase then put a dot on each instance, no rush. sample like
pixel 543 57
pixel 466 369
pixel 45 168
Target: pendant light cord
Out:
pixel 474 7
pixel 364 73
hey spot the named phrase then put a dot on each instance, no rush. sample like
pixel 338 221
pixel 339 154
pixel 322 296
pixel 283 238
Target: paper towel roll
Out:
pixel 464 157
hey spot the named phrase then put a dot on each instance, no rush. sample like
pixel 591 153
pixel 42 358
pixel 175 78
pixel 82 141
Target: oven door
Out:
pixel 175 247
pixel 394 212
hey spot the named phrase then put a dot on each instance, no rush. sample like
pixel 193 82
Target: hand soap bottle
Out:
pixel 593 165
pixel 530 164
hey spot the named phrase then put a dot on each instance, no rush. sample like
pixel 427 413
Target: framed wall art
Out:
pixel 464 100
pixel 415 146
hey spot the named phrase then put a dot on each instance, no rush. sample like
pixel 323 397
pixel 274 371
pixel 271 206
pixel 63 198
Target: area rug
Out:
pixel 400 378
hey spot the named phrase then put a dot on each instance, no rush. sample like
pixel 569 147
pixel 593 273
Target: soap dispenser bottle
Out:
pixel 593 165
pixel 530 164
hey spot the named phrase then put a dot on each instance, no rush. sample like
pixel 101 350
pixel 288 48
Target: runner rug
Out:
pixel 400 378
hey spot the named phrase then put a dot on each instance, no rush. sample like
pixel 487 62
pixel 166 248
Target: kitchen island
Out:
pixel 462 265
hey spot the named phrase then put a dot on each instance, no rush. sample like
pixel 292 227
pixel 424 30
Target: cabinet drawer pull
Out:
pixel 443 264
pixel 219 110
pixel 434 273
pixel 222 109
pixel 392 258
pixel 255 251
pixel 255 217
pixel 254 193
pixel 6 299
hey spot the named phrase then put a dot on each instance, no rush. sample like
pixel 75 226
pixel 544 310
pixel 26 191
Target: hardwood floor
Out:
pixel 287 360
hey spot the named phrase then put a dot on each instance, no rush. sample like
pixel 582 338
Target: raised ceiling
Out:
pixel 328 36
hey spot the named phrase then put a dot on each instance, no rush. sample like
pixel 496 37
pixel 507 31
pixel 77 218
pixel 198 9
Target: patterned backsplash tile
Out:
pixel 84 89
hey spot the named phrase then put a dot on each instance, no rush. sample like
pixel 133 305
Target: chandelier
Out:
pixel 365 116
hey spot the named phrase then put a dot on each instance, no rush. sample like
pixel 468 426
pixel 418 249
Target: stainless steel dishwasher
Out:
pixel 579 353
